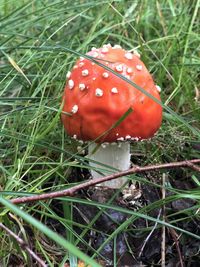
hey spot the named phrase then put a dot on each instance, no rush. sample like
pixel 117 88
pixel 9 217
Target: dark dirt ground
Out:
pixel 135 247
pixel 140 248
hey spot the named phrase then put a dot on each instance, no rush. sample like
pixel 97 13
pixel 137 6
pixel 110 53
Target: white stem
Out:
pixel 113 155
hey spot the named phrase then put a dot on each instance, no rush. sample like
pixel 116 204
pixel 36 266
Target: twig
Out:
pixel 136 169
pixel 174 236
pixel 193 166
pixel 23 245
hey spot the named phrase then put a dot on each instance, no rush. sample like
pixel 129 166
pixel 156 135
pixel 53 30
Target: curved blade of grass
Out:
pixel 48 232
pixel 16 66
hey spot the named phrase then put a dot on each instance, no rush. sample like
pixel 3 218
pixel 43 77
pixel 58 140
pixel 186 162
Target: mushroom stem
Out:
pixel 114 155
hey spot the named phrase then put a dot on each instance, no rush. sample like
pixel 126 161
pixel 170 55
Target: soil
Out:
pixel 140 243
pixel 134 246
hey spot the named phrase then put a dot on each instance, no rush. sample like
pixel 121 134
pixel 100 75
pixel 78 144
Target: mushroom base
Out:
pixel 115 156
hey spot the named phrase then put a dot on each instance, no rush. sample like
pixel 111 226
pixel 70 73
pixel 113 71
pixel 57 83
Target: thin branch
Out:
pixel 174 236
pixel 193 166
pixel 23 245
pixel 136 169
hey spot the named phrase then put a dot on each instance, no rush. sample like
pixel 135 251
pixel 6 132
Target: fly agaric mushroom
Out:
pixel 97 99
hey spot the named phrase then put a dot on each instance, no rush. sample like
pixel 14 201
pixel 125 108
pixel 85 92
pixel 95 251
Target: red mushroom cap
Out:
pixel 96 98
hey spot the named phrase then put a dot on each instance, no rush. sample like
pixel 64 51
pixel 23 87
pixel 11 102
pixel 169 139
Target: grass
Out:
pixel 39 42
